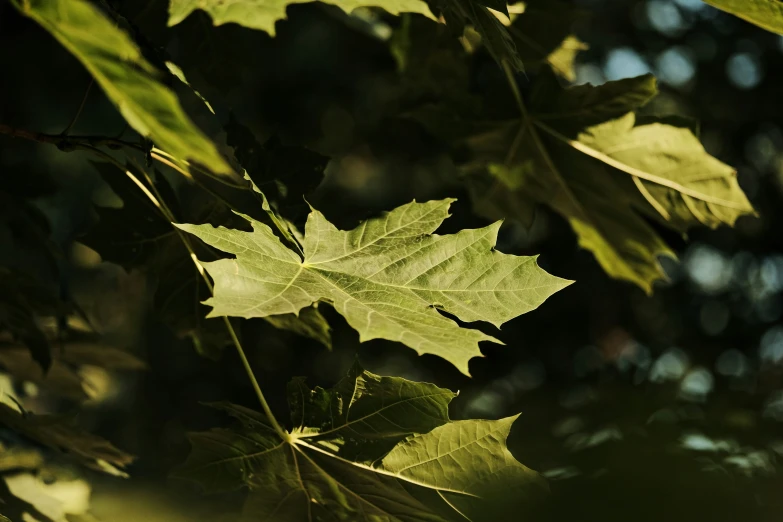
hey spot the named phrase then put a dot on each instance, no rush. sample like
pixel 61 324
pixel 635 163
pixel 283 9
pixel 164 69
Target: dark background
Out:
pixel 662 407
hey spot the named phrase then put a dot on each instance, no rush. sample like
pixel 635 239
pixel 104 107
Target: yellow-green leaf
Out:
pixel 128 80
pixel 767 14
pixel 262 14
pixel 386 277
pixel 585 153
pixel 433 469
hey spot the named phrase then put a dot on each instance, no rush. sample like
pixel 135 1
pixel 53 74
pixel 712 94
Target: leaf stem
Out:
pixel 159 202
pixel 91 144
pixel 69 142
pixel 80 109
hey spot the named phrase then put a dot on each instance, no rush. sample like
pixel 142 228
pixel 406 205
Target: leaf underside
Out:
pixel 416 465
pixel 585 153
pixel 386 277
pixel 129 81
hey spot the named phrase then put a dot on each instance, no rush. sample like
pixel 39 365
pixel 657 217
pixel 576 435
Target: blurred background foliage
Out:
pixel 662 407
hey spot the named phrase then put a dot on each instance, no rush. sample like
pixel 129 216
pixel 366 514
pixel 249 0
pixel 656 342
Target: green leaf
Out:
pixel 494 35
pixel 59 433
pixel 309 478
pixel 469 456
pixel 543 35
pixel 137 236
pixel 284 173
pixel 180 74
pixel 385 277
pixel 767 14
pixel 128 80
pixel 583 152
pixel 23 299
pixel 367 406
pixel 72 354
pixel 309 323
pixel 262 14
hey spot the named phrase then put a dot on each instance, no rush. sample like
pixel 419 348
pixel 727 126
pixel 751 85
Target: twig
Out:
pixel 159 202
pixel 66 143
pixel 90 144
pixel 79 110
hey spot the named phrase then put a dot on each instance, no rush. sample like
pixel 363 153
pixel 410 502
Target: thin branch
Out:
pixel 159 202
pixel 80 109
pixel 90 144
pixel 69 142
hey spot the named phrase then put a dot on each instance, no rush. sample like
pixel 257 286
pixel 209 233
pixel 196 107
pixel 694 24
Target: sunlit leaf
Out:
pixel 585 153
pixel 441 469
pixel 469 456
pixel 129 81
pixel 136 236
pixel 385 277
pixel 262 15
pixel 767 14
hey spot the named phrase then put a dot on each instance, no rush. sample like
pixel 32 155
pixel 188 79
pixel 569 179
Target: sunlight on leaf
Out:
pixel 385 277
pixel 130 82
pixel 585 153
pixel 767 14
pixel 433 469
pixel 262 15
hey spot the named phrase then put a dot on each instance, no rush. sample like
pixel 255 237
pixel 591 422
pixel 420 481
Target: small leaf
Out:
pixel 384 277
pixel 367 406
pixel 128 80
pixel 262 14
pixel 494 35
pixel 767 14
pixel 543 34
pixel 137 236
pixel 309 323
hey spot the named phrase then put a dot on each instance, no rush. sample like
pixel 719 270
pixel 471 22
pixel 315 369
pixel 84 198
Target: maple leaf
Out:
pixel 434 469
pixel 385 277
pixel 584 152
pixel 262 15
pixel 137 236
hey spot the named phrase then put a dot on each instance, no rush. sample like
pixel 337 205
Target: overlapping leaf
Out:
pixel 764 13
pixel 543 34
pixel 585 153
pixel 59 433
pixel 129 81
pixel 494 35
pixel 385 277
pixel 137 236
pixel 75 351
pixel 262 15
pixel 430 474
